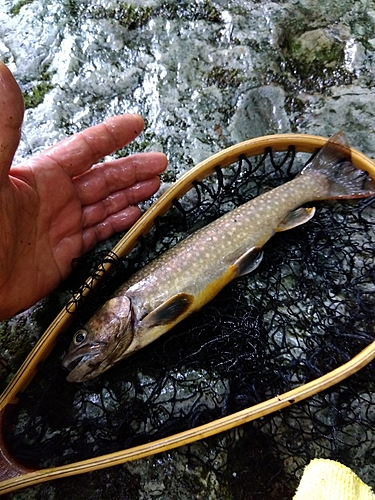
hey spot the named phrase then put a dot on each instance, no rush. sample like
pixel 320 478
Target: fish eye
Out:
pixel 79 337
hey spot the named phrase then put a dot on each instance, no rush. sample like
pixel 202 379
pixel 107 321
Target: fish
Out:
pixel 190 274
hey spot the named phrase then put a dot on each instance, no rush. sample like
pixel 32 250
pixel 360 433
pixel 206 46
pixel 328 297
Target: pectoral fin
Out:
pixel 296 218
pixel 248 261
pixel 169 311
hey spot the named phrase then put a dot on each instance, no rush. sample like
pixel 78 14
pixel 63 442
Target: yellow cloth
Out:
pixel 329 480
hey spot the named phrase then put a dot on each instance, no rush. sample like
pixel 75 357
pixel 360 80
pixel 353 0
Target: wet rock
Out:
pixel 261 112
pixel 316 48
pixel 351 109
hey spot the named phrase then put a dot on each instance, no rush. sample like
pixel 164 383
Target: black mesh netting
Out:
pixel 307 309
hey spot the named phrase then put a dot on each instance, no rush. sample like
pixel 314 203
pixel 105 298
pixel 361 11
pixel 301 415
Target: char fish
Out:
pixel 190 274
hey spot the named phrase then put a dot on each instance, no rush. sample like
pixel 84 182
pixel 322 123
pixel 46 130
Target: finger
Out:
pixel 78 153
pixel 106 178
pixel 12 109
pixel 118 201
pixel 115 223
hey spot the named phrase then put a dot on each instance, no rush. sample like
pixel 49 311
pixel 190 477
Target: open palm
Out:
pixel 59 204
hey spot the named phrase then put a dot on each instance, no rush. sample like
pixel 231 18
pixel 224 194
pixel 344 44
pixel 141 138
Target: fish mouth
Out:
pixel 71 365
pixel 83 354
pixel 82 368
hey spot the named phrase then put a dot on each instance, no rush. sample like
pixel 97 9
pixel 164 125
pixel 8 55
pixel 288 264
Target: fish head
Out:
pixel 101 342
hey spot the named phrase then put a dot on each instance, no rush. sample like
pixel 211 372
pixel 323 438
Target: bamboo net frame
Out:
pixel 13 476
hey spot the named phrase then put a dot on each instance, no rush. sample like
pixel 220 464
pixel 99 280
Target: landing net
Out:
pixel 306 310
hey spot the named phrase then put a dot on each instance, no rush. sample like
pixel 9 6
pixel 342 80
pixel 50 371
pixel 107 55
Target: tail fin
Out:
pixel 344 180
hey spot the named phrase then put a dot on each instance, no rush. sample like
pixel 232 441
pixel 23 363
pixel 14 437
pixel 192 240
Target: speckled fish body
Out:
pixel 202 264
pixel 190 274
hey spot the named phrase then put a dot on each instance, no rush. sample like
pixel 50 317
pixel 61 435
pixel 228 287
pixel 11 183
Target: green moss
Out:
pixel 35 96
pixel 128 15
pixel 363 27
pixel 309 59
pixel 18 6
pixel 134 16
pixel 315 48
pixel 73 10
pixel 191 11
pixel 223 77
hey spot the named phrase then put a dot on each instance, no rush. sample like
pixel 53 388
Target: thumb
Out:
pixel 11 116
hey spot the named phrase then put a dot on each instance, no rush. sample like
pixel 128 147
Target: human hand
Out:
pixel 58 204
